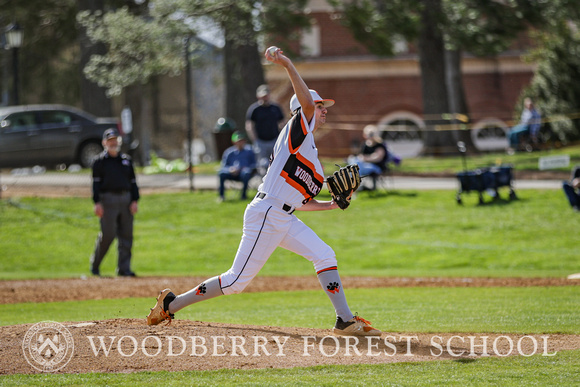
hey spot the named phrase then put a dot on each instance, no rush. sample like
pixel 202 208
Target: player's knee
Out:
pixel 233 283
pixel 325 261
pixel 235 288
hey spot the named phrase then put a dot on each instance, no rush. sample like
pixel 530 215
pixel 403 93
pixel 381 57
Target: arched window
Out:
pixel 402 131
pixel 490 134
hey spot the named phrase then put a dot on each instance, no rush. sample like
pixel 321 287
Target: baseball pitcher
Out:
pixel 293 180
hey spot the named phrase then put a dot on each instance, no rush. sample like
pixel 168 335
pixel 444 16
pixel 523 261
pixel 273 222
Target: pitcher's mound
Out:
pixel 129 345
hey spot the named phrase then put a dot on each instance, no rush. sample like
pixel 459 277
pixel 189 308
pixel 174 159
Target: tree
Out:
pixel 554 87
pixel 433 80
pixel 245 23
pixel 138 48
pixel 49 59
pixel 47 68
pixel 93 97
pixel 442 30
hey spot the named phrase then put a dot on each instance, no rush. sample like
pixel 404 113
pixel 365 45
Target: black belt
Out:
pixel 116 191
pixel 285 207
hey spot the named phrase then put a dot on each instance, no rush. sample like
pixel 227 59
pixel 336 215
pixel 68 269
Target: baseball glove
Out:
pixel 342 183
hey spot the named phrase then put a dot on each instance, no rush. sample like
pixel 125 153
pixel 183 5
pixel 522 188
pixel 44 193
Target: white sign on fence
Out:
pixel 552 162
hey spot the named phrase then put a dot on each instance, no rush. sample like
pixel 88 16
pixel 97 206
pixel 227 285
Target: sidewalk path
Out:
pixel 210 182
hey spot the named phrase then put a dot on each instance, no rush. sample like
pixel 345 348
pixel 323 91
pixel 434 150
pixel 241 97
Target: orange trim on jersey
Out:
pixel 294 149
pixel 311 166
pixel 294 184
pixel 327 269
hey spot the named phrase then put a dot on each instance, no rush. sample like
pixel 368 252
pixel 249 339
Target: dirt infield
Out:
pixel 129 345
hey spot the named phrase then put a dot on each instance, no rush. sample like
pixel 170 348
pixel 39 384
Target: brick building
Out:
pixel 367 89
pixel 387 91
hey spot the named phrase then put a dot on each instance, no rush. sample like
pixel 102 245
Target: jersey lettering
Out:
pixel 307 179
pixel 302 177
pixel 295 161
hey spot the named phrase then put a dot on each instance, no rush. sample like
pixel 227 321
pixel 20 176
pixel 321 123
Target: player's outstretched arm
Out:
pixel 317 205
pixel 275 55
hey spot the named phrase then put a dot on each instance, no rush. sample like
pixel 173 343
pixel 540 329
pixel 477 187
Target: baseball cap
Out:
pixel 262 91
pixel 237 136
pixel 110 133
pixel 294 104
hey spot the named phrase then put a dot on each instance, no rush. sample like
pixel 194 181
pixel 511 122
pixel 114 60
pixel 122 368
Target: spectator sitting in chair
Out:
pixel 572 188
pixel 530 123
pixel 238 164
pixel 374 156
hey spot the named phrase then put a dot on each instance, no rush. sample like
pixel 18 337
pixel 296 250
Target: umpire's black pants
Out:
pixel 117 221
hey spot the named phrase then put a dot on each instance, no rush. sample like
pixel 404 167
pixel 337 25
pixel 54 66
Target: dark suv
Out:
pixel 50 135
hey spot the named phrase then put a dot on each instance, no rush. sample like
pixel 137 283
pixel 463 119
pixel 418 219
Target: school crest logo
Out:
pixel 48 346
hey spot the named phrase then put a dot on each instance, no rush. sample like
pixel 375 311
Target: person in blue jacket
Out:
pixel 238 164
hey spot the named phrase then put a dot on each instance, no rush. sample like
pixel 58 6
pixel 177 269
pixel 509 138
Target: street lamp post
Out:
pixel 14 41
pixel 5 77
pixel 189 101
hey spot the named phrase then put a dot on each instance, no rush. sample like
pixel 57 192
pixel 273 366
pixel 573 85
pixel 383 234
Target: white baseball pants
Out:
pixel 267 226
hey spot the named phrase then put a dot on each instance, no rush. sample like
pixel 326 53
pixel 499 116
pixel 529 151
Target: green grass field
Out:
pixel 561 370
pixel 402 233
pixel 495 310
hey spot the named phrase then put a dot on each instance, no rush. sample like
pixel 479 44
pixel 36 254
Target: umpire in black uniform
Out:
pixel 115 194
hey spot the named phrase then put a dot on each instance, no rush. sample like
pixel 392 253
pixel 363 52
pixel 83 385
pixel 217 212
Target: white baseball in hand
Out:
pixel 272 51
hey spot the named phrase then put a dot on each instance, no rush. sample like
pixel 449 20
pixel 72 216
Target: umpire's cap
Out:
pixel 110 133
pixel 294 104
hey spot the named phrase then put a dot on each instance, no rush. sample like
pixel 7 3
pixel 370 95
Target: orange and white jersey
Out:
pixel 295 174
